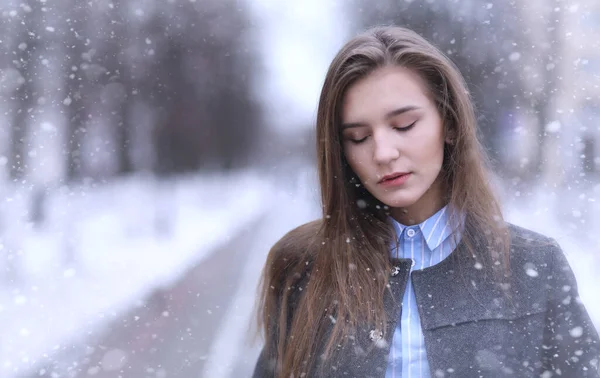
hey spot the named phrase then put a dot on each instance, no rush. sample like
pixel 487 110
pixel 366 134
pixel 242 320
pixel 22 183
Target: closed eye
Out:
pixel 358 141
pixel 405 128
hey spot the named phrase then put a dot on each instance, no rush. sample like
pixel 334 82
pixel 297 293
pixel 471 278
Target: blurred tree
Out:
pixel 208 116
pixel 190 63
pixel 116 82
pixel 544 94
pixel 24 51
pixel 75 39
pixel 591 140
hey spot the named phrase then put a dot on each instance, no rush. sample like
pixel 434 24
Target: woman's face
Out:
pixel 393 139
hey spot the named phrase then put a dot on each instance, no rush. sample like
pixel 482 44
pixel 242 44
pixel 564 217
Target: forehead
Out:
pixel 382 91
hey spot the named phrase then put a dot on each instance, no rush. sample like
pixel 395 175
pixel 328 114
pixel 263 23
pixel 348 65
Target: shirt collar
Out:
pixel 435 229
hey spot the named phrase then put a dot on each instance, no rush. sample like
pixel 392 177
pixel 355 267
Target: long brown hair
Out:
pixel 336 269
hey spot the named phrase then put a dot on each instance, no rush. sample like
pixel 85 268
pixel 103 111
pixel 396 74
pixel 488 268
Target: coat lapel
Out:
pixel 366 354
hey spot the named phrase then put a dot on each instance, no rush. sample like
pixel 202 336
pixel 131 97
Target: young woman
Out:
pixel 412 271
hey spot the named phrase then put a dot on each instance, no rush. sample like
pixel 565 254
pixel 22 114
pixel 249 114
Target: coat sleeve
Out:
pixel 266 363
pixel 264 367
pixel 571 345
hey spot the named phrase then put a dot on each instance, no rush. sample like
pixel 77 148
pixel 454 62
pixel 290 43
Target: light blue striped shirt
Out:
pixel 426 244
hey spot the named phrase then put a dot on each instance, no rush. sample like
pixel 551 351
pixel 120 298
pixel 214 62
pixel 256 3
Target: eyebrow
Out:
pixel 389 115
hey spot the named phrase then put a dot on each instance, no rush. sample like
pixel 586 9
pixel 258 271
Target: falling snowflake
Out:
pixel 531 272
pixel 576 332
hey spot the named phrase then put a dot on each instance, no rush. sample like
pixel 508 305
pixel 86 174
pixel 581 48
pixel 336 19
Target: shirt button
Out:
pixel 410 232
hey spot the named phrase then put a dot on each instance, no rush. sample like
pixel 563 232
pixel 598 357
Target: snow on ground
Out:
pixel 104 248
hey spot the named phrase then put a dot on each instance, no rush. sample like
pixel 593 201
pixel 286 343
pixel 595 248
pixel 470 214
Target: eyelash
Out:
pixel 401 129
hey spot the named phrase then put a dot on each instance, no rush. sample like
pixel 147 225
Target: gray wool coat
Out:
pixel 471 329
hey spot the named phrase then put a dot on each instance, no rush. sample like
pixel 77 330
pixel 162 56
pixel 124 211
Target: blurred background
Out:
pixel 152 151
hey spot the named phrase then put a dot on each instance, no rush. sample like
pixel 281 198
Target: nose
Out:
pixel 385 151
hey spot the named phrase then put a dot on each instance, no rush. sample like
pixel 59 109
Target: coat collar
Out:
pixel 434 229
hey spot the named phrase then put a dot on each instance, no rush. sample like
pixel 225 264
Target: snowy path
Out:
pixel 233 354
pixel 131 239
pixel 194 325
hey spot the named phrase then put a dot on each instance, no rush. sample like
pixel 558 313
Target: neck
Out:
pixel 410 217
pixel 430 203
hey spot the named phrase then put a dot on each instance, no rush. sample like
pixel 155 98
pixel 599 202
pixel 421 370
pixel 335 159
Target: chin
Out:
pixel 397 202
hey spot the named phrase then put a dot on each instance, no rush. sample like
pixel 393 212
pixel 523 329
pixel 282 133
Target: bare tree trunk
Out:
pixel 544 105
pixel 75 90
pixel 124 140
pixel 117 64
pixel 76 129
pixel 17 154
pixel 24 103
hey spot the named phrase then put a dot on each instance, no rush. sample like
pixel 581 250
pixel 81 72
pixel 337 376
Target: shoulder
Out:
pixel 291 256
pixel 534 255
pixel 521 236
pixel 297 241
pixel 531 246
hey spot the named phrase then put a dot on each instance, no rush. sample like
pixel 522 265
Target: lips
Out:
pixel 395 180
pixel 392 176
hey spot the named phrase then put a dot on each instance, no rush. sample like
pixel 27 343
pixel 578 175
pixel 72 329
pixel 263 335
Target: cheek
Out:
pixel 430 147
pixel 357 160
pixel 431 158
